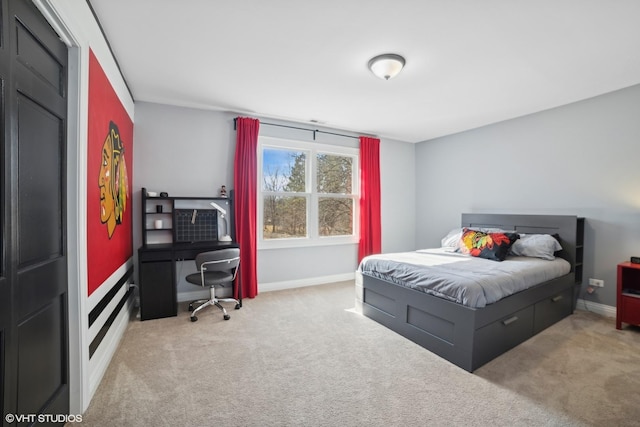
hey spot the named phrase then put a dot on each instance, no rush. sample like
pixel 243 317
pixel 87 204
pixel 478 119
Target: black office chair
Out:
pixel 215 269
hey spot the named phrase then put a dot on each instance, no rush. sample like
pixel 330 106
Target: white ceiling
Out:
pixel 469 62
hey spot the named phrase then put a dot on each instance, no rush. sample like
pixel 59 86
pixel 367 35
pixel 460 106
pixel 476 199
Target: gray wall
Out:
pixel 580 159
pixel 398 189
pixel 190 152
pixel 576 159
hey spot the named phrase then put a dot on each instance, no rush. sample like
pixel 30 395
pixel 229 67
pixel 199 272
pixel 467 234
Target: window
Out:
pixel 307 195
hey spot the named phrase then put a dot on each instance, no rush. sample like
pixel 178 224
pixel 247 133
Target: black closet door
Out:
pixel 33 281
pixel 5 271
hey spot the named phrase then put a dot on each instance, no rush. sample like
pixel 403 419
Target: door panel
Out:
pixel 2 370
pixel 39 183
pixel 41 378
pixel 6 303
pixel 31 53
pixel 33 280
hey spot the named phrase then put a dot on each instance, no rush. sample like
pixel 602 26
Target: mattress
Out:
pixel 470 281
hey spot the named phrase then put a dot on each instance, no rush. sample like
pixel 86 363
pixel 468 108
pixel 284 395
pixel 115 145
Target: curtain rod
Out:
pixel 299 128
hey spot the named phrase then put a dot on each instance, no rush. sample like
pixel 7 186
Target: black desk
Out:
pixel 157 275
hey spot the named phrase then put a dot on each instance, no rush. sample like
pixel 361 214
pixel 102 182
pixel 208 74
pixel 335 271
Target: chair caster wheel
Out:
pixel 194 318
pixel 227 317
pixel 238 306
pixel 190 307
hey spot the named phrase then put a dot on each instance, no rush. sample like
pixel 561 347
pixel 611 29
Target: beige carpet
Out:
pixel 302 357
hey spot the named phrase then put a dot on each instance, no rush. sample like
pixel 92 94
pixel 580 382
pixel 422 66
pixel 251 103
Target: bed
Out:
pixel 471 336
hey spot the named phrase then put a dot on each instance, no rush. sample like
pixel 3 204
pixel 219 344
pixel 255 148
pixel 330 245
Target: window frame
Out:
pixel 311 194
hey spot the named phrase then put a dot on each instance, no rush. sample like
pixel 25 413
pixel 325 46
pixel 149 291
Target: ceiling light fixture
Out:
pixel 386 66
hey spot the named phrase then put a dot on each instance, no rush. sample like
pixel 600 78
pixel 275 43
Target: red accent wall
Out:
pixel 105 252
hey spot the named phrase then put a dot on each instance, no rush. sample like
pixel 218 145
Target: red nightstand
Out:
pixel 628 294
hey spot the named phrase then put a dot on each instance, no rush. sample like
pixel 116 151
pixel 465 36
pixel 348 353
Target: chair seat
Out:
pixel 216 269
pixel 211 278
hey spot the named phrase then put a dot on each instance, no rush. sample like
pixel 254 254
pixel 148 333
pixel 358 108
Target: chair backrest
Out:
pixel 220 260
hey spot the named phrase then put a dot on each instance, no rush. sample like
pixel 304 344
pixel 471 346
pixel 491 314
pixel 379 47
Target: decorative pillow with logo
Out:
pixel 493 246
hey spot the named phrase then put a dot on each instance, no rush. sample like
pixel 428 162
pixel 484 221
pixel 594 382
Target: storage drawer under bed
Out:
pixel 551 310
pixel 502 335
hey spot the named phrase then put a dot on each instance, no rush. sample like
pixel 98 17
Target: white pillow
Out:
pixel 536 245
pixel 452 239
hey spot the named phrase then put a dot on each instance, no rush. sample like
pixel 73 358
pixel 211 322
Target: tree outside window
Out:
pixel 334 182
pixel 284 185
pixel 303 187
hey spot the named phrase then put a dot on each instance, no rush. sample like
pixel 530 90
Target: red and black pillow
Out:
pixel 493 246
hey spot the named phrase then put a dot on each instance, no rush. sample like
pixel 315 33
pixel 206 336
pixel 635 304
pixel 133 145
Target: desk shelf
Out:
pixel 162 247
pixel 168 209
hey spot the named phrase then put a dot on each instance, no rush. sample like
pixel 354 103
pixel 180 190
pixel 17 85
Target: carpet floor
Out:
pixel 303 357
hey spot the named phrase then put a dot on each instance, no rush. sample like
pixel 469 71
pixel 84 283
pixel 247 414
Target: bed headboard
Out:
pixel 569 228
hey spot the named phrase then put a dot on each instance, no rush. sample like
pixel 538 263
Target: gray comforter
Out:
pixel 470 281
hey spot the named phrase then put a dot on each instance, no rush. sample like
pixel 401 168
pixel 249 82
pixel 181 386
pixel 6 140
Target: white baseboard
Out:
pixel 273 286
pixel 193 295
pixel 311 281
pixel 595 307
pixel 202 294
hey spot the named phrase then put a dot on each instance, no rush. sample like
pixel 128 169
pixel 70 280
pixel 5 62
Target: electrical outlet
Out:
pixel 596 282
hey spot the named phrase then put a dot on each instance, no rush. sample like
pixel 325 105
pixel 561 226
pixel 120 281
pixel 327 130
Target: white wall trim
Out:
pixel 57 22
pixel 102 318
pixel 300 283
pixel 98 294
pixel 76 262
pixel 595 307
pixel 102 357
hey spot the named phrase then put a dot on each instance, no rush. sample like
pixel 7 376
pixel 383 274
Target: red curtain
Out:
pixel 370 225
pixel 244 183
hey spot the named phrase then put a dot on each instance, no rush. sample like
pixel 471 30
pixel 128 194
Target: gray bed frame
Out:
pixel 471 337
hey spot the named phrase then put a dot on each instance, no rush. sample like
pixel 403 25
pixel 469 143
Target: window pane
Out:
pixel 335 216
pixel 283 170
pixel 284 217
pixel 334 174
